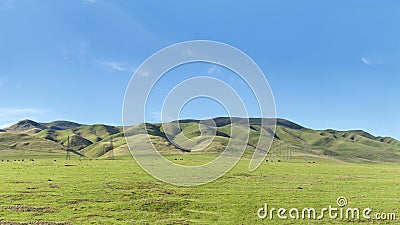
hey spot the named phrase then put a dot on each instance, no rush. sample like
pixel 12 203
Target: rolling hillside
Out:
pixel 28 137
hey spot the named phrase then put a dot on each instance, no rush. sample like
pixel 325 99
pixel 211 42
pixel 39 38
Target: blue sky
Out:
pixel 330 64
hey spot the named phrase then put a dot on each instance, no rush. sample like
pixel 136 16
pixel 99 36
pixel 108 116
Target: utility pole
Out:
pixel 111 151
pixel 271 152
pixel 305 152
pixel 287 152
pixel 68 156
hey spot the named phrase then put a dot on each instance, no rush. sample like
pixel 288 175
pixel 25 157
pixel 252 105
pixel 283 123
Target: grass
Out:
pixel 120 192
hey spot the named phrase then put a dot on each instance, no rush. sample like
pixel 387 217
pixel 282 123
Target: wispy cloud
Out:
pixel 6 112
pixel 118 66
pixel 6 4
pixel 11 115
pixel 371 62
pixel 77 51
pixel 214 70
pixel 90 1
pixel 365 61
pixel 2 82
pixel 144 73
pixel 188 52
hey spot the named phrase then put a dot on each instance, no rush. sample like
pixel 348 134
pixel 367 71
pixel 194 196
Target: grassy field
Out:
pixel 118 191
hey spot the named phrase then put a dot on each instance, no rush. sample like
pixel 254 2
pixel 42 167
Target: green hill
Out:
pixel 27 126
pixel 24 144
pixel 194 136
pixel 61 125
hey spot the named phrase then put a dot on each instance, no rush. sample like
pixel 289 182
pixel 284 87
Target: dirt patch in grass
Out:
pixel 241 175
pixel 22 208
pixel 118 186
pixel 146 185
pixel 33 223
pixel 77 202
pixel 19 182
pixel 179 222
pixel 93 215
pixel 54 186
pixel 165 206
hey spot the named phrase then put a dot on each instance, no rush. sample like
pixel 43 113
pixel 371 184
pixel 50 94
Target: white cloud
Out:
pixel 5 112
pixel 371 62
pixel 188 52
pixel 9 116
pixel 89 1
pixel 365 61
pixel 6 4
pixel 214 70
pixel 117 66
pixel 76 51
pixel 144 73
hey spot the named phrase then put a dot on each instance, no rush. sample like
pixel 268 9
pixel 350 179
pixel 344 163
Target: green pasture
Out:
pixel 99 191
